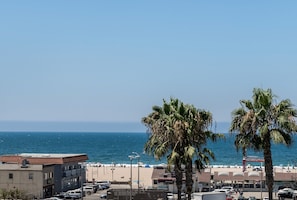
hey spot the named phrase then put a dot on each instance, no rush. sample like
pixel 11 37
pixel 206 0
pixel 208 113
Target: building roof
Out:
pixel 157 173
pixel 230 174
pixel 19 167
pixel 41 158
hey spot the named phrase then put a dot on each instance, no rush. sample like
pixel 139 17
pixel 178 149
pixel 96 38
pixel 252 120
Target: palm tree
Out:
pixel 164 140
pixel 245 138
pixel 196 136
pixel 179 131
pixel 265 121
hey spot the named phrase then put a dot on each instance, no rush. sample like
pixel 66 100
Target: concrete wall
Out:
pixel 29 180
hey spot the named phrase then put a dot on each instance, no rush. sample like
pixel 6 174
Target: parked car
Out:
pixel 183 196
pixel 74 194
pixel 228 188
pixel 62 195
pixel 294 195
pixel 226 191
pixel 286 193
pixel 88 190
pixel 170 196
pixel 102 185
pixel 106 183
pixel 103 196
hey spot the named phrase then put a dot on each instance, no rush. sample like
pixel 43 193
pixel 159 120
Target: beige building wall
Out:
pixel 41 175
pixel 27 179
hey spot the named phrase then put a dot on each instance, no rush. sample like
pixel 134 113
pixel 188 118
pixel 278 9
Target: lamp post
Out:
pixel 131 157
pixel 83 165
pixel 138 158
pixel 112 169
pixel 261 173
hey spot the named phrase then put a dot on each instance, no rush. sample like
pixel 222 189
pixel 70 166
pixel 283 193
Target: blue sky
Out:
pixel 111 61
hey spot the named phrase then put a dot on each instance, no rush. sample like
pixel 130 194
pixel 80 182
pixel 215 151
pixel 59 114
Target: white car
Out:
pixel 74 194
pixel 170 195
pixel 223 190
pixel 88 189
pixel 294 194
pixel 285 192
pixel 228 188
pixel 183 196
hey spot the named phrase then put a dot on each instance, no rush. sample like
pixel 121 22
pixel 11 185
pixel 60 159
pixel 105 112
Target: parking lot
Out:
pixel 96 195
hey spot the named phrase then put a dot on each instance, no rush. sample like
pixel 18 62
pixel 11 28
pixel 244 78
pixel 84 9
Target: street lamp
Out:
pixel 131 157
pixel 83 179
pixel 112 169
pixel 138 158
pixel 261 173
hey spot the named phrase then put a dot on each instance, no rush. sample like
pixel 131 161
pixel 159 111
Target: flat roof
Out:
pixel 44 158
pixel 13 167
pixel 48 155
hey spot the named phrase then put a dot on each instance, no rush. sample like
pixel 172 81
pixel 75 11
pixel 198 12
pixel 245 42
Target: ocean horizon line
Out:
pixel 98 164
pixel 86 126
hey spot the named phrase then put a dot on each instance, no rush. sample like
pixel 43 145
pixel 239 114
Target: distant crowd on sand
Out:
pixel 118 165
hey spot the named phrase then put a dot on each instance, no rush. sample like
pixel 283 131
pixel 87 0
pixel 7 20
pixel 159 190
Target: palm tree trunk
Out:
pixel 179 179
pixel 268 164
pixel 189 177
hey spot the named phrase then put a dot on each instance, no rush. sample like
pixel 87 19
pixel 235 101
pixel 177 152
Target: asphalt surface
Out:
pixel 94 196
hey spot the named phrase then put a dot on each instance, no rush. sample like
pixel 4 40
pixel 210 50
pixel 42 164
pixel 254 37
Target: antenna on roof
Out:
pixel 24 163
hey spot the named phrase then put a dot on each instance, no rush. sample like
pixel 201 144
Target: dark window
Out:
pixel 30 175
pixel 10 175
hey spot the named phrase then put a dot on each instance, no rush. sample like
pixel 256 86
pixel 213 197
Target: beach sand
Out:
pixel 121 174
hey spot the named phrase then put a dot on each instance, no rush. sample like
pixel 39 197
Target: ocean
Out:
pixel 107 148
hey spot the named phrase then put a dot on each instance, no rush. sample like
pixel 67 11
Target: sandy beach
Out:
pixel 121 173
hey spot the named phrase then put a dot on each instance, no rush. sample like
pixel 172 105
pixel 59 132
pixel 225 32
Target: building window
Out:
pixel 10 175
pixel 30 175
pixel 45 176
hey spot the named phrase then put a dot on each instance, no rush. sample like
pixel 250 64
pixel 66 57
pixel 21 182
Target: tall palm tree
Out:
pixel 164 140
pixel 267 122
pixel 245 138
pixel 179 131
pixel 196 136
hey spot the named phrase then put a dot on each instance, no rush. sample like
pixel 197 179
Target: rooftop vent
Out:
pixel 25 163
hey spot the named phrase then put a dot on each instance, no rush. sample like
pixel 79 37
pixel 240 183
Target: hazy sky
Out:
pixel 111 61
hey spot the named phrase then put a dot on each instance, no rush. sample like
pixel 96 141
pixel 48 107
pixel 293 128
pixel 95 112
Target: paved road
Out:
pixel 95 196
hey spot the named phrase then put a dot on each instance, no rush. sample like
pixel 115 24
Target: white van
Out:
pixel 88 190
pixel 209 196
pixel 103 184
pixel 74 194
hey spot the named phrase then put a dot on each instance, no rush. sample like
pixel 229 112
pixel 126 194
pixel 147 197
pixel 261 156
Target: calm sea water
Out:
pixel 116 147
